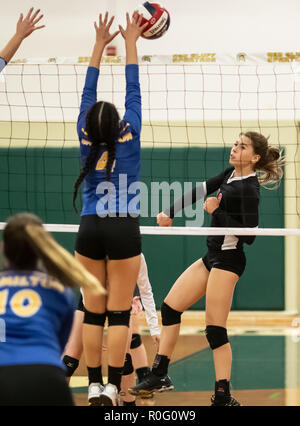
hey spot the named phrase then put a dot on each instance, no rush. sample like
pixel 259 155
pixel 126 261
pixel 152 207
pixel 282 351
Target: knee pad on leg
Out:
pixel 169 316
pixel 118 318
pixel 71 365
pixel 128 367
pixel 94 319
pixel 216 336
pixel 136 341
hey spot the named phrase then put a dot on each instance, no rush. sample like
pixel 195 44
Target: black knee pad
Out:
pixel 136 341
pixel 94 319
pixel 216 336
pixel 71 365
pixel 128 367
pixel 169 316
pixel 118 318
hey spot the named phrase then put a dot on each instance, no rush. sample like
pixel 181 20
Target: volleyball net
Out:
pixel 194 107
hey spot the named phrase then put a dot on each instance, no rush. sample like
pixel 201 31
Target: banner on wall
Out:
pixel 239 58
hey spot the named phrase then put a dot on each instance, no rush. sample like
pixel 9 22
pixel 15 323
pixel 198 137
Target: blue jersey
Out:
pixel 2 63
pixel 37 314
pixel 120 194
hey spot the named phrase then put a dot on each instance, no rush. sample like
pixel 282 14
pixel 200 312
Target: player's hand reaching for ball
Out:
pixel 26 26
pixel 164 220
pixel 134 28
pixel 103 34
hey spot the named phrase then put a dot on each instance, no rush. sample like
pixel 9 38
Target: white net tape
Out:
pixel 188 230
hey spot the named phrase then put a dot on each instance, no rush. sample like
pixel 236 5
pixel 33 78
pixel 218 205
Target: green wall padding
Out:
pixel 41 181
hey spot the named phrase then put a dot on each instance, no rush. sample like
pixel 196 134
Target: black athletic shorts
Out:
pixel 114 237
pixel 228 260
pixel 34 384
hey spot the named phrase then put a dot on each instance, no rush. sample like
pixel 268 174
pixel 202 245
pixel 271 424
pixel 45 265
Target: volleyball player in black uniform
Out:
pixel 216 274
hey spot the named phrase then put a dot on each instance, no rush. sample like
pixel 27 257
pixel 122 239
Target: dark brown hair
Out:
pixel 269 166
pixel 102 127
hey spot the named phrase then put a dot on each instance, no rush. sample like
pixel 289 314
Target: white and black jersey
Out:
pixel 238 208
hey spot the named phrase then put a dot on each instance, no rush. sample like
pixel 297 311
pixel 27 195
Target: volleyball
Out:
pixel 158 19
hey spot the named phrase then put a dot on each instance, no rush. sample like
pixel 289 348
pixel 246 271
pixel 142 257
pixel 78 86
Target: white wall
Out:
pixel 196 26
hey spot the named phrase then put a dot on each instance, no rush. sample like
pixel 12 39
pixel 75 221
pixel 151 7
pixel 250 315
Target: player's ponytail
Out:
pixel 26 241
pixel 103 128
pixel 89 163
pixel 270 165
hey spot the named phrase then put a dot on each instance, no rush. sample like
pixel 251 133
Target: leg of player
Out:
pixel 187 290
pixel 219 293
pixel 138 351
pixel 92 330
pixel 122 278
pixel 128 376
pixel 74 347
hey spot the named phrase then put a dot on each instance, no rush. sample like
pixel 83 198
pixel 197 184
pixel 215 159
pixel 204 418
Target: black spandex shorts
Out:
pixel 114 237
pixel 228 260
pixel 34 384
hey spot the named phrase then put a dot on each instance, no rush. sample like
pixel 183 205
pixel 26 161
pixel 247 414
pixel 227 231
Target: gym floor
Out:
pixel 265 369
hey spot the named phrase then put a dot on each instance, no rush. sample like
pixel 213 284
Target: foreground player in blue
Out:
pixel 253 163
pixel 37 310
pixel 25 26
pixel 109 226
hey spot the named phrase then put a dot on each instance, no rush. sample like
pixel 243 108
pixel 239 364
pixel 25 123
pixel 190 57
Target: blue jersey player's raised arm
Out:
pixel 112 148
pixel 25 26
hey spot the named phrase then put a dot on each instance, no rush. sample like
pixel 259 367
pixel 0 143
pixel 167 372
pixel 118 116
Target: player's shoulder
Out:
pixel 36 279
pixel 250 186
pixel 253 181
pixel 126 130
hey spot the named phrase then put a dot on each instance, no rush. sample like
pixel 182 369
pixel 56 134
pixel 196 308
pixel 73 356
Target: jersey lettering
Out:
pixel 101 164
pixel 24 303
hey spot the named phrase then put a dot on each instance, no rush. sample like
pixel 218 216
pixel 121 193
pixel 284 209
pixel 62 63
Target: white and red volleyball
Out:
pixel 158 19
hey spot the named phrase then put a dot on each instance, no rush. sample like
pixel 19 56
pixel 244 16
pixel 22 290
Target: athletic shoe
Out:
pixel 150 395
pixel 95 390
pixel 227 402
pixel 147 396
pixel 110 396
pixel 151 384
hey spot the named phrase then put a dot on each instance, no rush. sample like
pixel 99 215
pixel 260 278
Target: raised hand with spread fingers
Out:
pixel 133 31
pixel 25 27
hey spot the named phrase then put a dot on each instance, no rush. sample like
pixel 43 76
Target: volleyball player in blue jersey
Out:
pixel 109 226
pixel 37 310
pixel 25 26
pixel 253 162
